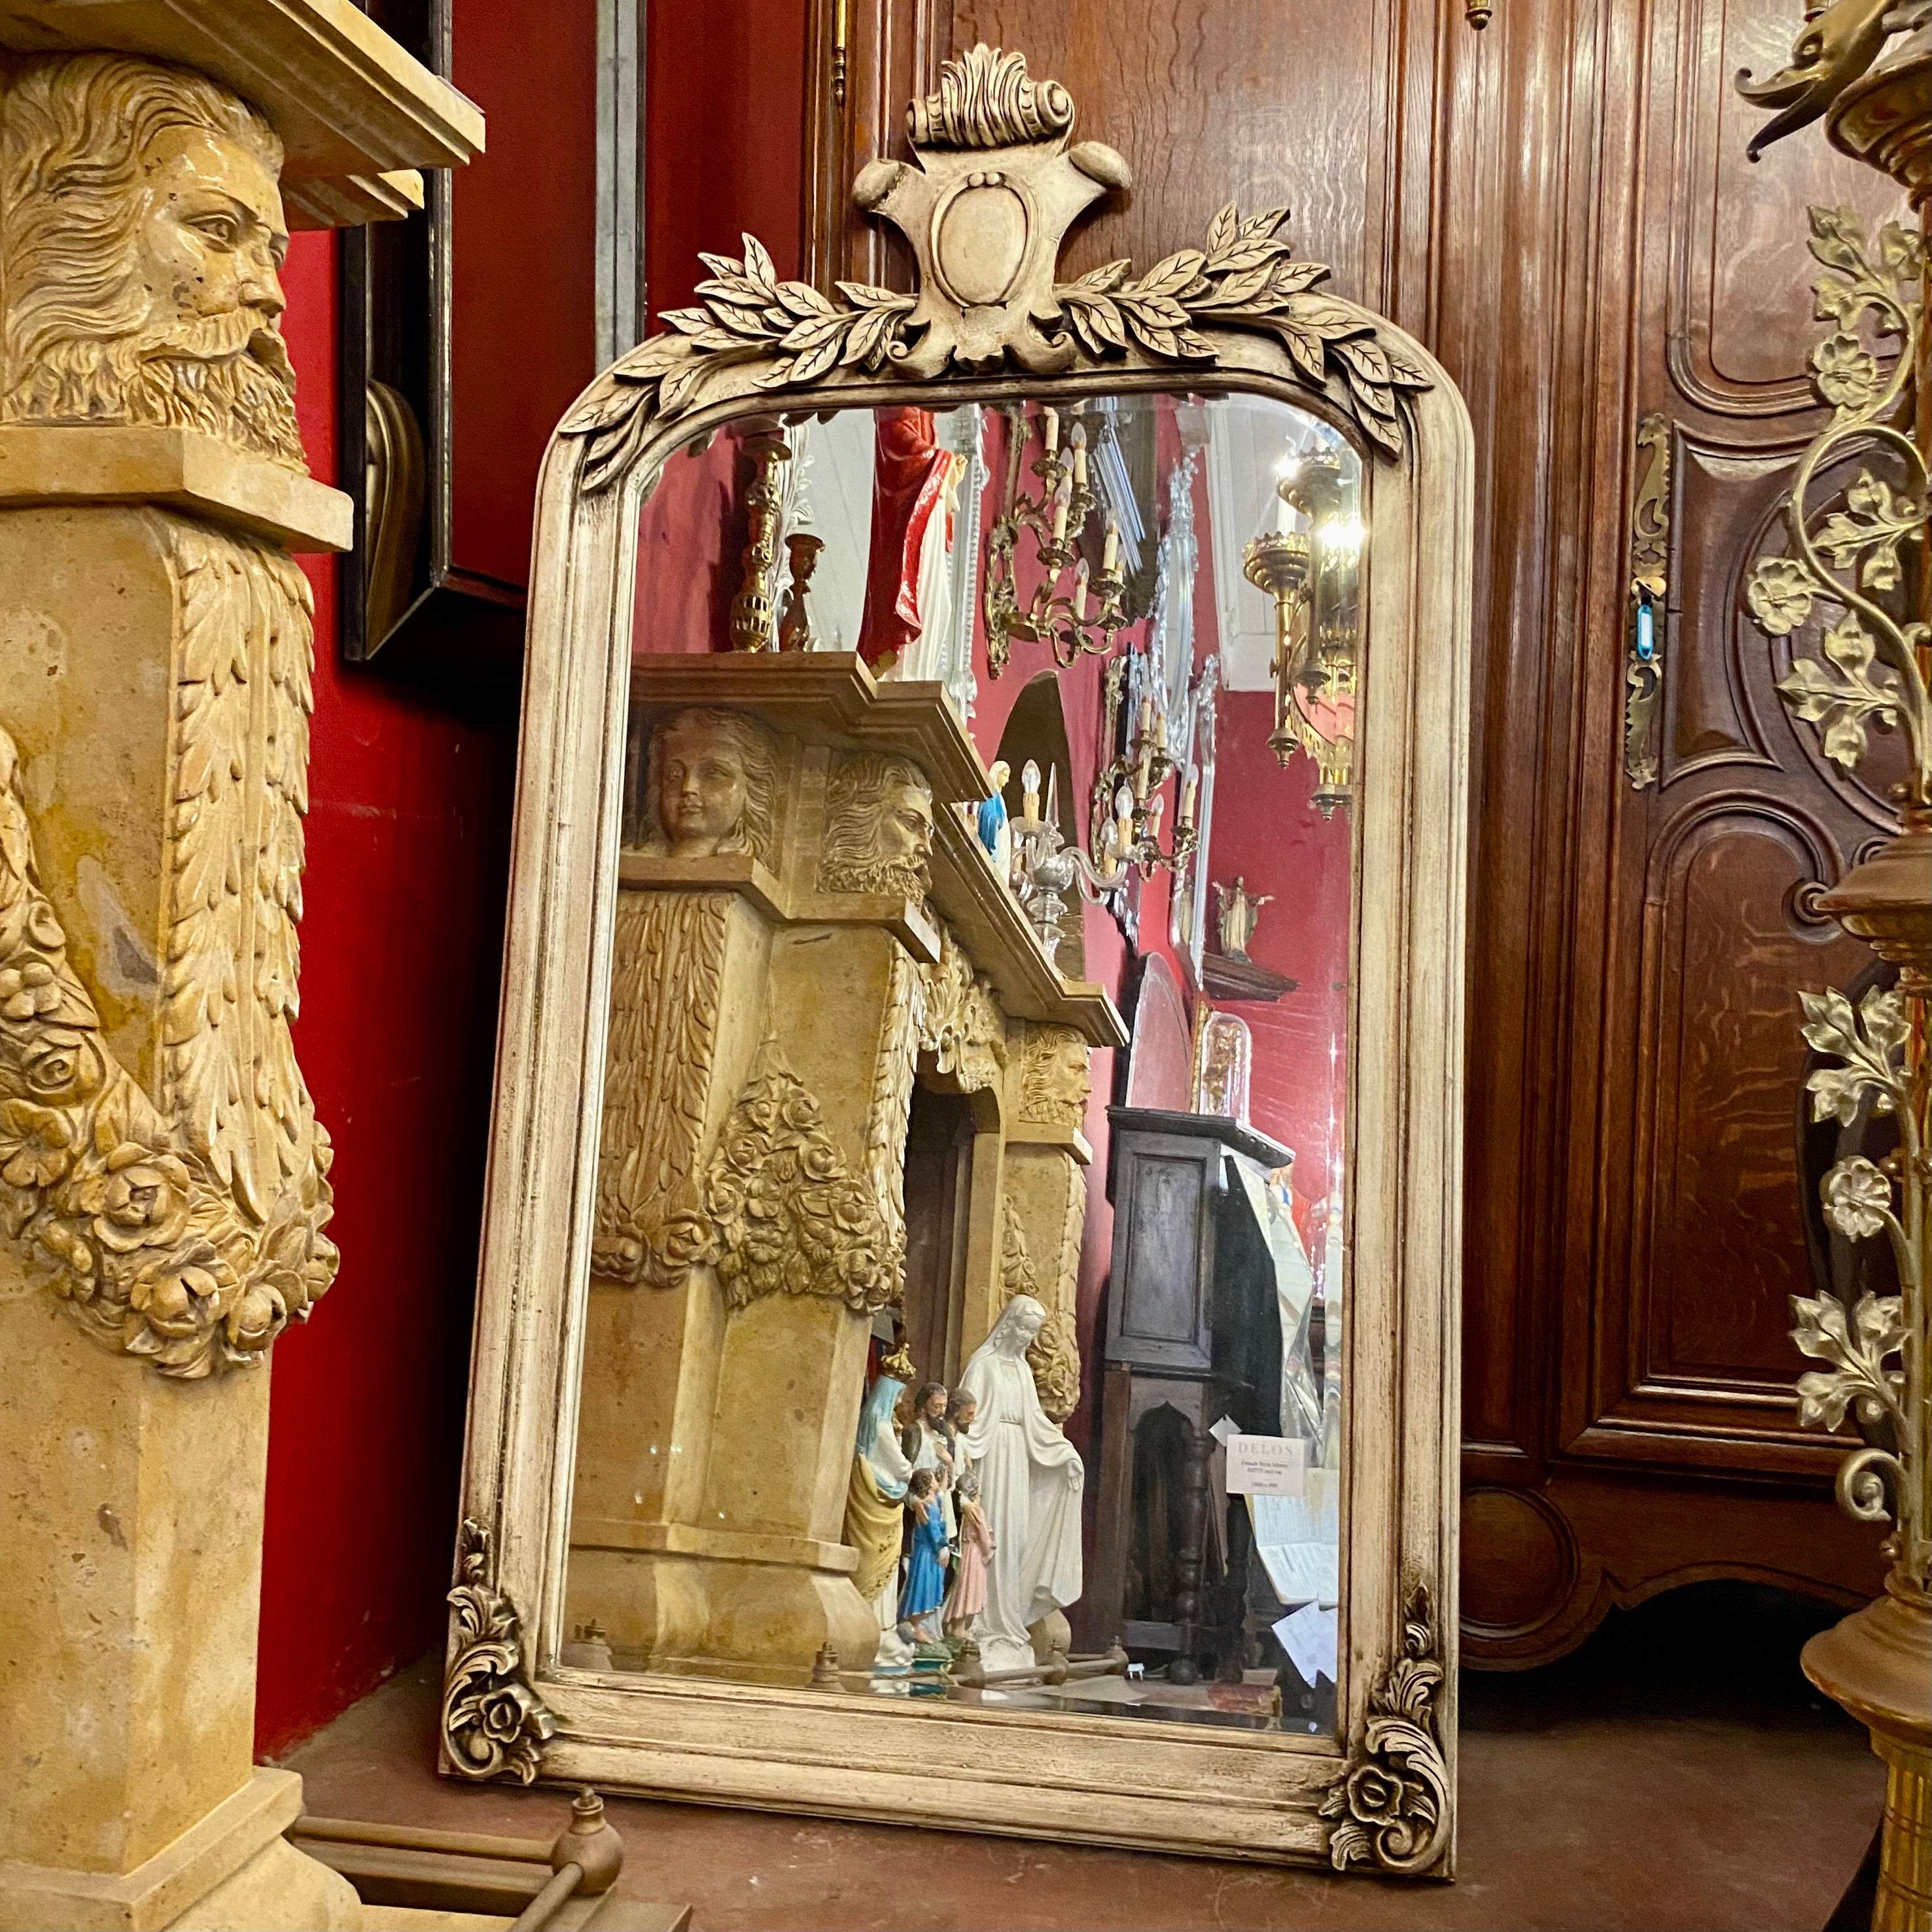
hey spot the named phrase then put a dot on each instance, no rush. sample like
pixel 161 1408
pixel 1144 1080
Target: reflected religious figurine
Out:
pixel 968 1597
pixel 1240 914
pixel 878 828
pixel 927 1439
pixel 709 784
pixel 875 1506
pixel 1031 1480
pixel 996 836
pixel 925 1568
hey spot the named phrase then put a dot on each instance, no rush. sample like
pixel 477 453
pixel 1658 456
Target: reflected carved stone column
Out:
pixel 163 1180
pixel 750 1217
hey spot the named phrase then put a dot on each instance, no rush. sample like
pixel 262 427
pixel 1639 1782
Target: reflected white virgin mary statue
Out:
pixel 1031 1479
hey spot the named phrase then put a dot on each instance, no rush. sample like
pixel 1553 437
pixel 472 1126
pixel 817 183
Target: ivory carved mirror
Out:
pixel 967 1324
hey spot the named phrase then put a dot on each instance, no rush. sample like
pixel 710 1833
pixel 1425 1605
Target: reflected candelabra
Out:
pixel 1058 613
pixel 1310 564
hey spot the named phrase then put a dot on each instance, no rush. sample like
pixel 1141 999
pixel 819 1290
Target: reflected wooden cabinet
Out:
pixel 1561 207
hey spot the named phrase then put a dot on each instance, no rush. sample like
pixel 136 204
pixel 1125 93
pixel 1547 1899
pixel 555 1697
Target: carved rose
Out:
pixel 1858 1198
pixel 60 1065
pixel 1780 595
pixel 257 1316
pixel 169 1289
pixel 141 1201
pixel 502 1712
pixel 1375 1796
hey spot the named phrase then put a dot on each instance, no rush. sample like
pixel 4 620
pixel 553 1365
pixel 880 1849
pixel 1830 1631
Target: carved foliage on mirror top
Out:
pixel 993 188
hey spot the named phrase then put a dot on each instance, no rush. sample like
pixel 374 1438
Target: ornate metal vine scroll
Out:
pixel 493 1724
pixel 1848 566
pixel 993 188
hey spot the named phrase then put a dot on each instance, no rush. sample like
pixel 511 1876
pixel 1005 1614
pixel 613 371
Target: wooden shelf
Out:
pixel 1229 978
pixel 826 695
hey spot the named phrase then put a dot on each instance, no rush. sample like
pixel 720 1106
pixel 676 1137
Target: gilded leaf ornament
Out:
pixel 1392 1806
pixel 493 1724
pixel 985 205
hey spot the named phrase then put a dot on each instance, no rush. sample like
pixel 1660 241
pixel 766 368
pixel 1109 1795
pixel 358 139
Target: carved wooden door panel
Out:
pixel 1705 828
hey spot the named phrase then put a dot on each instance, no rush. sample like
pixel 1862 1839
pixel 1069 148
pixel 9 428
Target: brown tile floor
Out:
pixel 1675 1773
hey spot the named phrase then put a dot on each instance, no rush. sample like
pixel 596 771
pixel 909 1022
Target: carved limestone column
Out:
pixel 1047 1158
pixel 750 1217
pixel 163 1180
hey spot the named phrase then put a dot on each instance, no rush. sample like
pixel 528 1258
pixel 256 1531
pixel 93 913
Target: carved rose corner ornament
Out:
pixel 993 189
pixel 165 1237
pixel 1393 1807
pixel 493 1724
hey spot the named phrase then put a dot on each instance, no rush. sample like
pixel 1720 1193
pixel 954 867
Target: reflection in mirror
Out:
pixel 910 1368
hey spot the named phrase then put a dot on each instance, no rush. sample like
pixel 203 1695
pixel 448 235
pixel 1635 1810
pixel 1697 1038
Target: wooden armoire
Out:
pixel 1561 206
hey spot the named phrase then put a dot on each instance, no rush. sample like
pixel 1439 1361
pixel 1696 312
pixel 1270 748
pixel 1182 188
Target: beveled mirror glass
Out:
pixel 967 1310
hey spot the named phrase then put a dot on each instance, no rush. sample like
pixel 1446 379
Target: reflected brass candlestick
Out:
pixel 1055 615
pixel 752 608
pixel 1278 564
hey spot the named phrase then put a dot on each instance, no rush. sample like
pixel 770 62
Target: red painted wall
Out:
pixel 408 829
pixel 408 833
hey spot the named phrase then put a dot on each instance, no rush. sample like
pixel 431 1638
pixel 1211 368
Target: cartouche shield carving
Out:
pixel 141 241
pixel 994 189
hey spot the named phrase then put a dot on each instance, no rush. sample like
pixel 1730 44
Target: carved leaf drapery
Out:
pixel 187 1232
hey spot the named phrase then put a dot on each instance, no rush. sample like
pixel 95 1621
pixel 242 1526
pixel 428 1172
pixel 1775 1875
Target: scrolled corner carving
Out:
pixel 1393 1808
pixel 493 1724
pixel 961 1025
pixel 156 1246
pixel 987 297
pixel 778 1210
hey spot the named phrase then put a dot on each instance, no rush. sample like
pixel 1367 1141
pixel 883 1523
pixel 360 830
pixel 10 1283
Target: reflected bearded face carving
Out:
pixel 141 241
pixel 710 782
pixel 878 832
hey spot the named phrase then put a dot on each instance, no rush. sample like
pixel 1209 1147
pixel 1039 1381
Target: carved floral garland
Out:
pixel 1394 1804
pixel 779 1210
pixel 151 1248
pixel 493 1724
pixel 1245 278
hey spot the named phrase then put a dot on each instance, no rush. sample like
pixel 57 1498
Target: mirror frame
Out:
pixel 1380 1795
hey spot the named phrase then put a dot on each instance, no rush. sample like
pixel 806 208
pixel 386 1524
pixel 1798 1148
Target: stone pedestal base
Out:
pixel 747 1608
pixel 231 1872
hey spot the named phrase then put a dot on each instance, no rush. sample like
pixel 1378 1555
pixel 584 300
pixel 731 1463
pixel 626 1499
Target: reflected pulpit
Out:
pixel 1199 1321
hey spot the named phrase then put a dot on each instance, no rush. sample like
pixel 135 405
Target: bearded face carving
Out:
pixel 878 832
pixel 141 243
